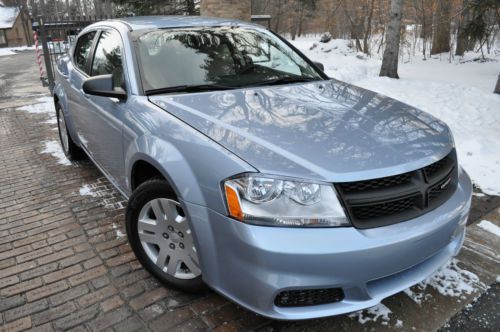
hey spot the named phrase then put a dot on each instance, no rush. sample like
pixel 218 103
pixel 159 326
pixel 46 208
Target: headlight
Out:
pixel 273 201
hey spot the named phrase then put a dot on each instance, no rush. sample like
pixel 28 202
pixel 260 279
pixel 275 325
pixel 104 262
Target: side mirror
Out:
pixel 319 65
pixel 102 85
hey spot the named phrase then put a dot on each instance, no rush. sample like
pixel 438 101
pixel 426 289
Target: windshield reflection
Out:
pixel 232 56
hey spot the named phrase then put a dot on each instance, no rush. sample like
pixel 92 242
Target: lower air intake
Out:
pixel 308 297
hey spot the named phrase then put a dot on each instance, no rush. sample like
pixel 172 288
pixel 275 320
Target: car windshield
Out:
pixel 218 58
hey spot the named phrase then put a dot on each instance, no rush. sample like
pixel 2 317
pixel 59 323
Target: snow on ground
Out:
pixel 459 92
pixel 14 50
pixel 42 105
pixel 86 190
pixel 108 197
pixel 54 148
pixel 372 314
pixel 118 232
pixel 51 121
pixel 490 227
pixel 450 280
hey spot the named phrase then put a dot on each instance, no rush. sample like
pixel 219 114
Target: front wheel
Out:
pixel 160 236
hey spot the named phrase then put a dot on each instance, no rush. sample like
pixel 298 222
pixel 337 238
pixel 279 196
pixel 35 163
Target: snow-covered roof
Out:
pixel 8 16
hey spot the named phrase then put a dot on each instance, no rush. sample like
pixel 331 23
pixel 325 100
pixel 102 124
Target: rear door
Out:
pixel 102 121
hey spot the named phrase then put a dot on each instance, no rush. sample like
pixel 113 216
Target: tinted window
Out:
pixel 82 50
pixel 107 58
pixel 232 56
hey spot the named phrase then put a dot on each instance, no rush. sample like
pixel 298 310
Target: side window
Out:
pixel 107 57
pixel 82 50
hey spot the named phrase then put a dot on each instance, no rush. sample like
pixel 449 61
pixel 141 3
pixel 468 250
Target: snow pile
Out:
pixel 490 227
pixel 459 92
pixel 54 148
pixel 14 50
pixel 450 280
pixel 340 59
pixel 373 314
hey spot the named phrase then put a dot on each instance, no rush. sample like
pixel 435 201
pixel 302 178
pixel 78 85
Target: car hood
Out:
pixel 327 130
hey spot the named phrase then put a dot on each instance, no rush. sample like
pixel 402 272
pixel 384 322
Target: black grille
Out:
pixel 308 297
pixel 437 168
pixel 389 200
pixel 384 209
pixel 377 183
pixel 440 188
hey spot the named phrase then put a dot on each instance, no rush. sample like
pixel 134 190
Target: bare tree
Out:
pixel 391 52
pixel 368 26
pixel 462 35
pixel 426 27
pixel 441 40
pixel 354 17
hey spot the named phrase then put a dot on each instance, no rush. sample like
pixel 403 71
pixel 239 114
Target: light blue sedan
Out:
pixel 248 170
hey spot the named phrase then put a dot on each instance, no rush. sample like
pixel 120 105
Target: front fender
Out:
pixel 163 155
pixel 194 169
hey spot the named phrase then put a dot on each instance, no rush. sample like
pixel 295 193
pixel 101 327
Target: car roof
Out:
pixel 173 21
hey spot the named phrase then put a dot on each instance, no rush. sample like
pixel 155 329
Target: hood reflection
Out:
pixel 321 129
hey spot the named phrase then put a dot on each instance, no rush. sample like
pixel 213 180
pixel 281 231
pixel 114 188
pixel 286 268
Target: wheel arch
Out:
pixel 60 97
pixel 143 171
pixel 166 162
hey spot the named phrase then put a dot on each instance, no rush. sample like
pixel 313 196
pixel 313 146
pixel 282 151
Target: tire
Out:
pixel 163 244
pixel 70 149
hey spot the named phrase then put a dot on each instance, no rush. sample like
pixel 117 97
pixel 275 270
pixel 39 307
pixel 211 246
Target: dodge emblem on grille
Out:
pixel 445 183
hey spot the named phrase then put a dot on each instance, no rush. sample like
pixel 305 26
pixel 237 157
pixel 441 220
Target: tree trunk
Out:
pixel 497 87
pixel 391 52
pixel 43 11
pixel 85 8
pixel 355 32
pixel 441 40
pixel 301 19
pixel 278 16
pixel 426 30
pixel 462 37
pixel 368 29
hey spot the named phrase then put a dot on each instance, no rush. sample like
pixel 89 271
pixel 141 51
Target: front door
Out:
pixel 102 121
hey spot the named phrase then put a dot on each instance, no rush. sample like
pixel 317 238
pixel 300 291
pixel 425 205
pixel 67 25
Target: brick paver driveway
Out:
pixel 64 258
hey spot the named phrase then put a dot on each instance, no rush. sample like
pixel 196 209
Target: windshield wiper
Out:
pixel 285 80
pixel 189 88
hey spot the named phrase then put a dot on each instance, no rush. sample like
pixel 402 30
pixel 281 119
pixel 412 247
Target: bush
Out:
pixel 325 38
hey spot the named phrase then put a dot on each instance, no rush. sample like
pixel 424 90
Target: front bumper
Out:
pixel 252 264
